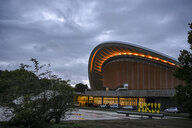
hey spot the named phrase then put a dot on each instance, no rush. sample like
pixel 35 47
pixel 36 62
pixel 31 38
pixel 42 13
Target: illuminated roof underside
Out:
pixel 111 52
pixel 106 51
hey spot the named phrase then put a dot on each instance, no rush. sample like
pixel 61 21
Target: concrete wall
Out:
pixel 133 93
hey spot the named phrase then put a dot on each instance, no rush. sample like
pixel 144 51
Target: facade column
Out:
pixel 118 100
pixel 137 101
pixel 93 99
pixel 102 100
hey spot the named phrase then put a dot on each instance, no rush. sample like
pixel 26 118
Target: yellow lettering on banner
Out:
pixel 147 107
pixel 143 107
pixel 158 108
pixel 152 110
pixel 140 107
pixel 150 107
pixel 155 104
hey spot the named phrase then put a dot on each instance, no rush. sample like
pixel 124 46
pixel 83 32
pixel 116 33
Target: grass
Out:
pixel 125 123
pixel 141 123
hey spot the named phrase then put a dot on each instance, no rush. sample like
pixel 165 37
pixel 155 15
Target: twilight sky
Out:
pixel 64 32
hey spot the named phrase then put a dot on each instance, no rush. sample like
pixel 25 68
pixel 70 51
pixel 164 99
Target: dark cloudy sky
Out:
pixel 64 32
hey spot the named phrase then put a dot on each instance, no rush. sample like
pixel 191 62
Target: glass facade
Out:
pixel 141 101
pixel 107 100
pixel 128 101
pixel 123 101
pixel 82 100
pixel 97 100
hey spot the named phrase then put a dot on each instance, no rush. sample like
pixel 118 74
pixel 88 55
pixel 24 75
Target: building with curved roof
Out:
pixel 128 74
pixel 113 64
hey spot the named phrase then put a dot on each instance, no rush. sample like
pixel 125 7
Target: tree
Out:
pixel 63 102
pixel 35 96
pixel 184 72
pixel 81 87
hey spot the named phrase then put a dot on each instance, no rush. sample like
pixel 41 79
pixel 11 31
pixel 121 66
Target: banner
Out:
pixel 149 107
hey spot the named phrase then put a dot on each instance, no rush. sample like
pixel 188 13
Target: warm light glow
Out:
pixel 91 66
pixel 156 58
pixel 172 64
pixel 142 55
pixel 103 56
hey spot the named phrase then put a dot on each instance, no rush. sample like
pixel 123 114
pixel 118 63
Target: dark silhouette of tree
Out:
pixel 35 96
pixel 81 87
pixel 184 72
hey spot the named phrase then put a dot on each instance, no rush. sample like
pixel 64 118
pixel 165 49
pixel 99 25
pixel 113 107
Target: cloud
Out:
pixel 63 33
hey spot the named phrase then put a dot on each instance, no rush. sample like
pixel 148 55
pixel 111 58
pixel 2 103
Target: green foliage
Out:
pixel 16 83
pixel 184 97
pixel 190 36
pixel 62 100
pixel 34 97
pixel 81 87
pixel 184 72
